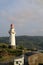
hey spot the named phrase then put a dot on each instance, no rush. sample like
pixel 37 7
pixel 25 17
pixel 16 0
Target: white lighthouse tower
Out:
pixel 12 36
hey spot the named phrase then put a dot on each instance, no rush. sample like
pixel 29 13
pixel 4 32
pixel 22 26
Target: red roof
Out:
pixel 12 25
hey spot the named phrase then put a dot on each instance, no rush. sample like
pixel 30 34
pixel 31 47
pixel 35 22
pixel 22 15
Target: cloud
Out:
pixel 40 1
pixel 25 14
pixel 37 32
pixel 30 11
pixel 23 17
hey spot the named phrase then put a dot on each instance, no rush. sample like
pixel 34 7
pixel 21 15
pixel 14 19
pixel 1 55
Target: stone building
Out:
pixel 33 58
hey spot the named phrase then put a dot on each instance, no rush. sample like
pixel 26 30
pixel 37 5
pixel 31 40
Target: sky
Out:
pixel 26 15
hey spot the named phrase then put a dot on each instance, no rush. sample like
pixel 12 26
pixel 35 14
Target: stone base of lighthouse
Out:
pixel 13 47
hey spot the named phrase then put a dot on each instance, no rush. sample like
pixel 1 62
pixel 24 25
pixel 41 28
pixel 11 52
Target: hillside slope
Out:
pixel 26 41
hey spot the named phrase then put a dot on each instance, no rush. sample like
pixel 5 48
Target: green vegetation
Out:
pixel 23 43
pixel 20 47
pixel 30 42
pixel 6 53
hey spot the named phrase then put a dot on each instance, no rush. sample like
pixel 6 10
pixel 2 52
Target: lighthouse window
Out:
pixel 16 62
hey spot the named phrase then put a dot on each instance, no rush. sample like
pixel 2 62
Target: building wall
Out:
pixel 12 37
pixel 19 61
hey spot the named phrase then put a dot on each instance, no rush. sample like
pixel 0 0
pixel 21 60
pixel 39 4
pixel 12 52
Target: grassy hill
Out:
pixel 29 42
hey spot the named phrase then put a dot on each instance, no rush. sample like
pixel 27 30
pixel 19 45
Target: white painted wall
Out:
pixel 12 37
pixel 19 61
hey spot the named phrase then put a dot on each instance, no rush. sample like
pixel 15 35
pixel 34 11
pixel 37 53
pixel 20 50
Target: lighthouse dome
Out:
pixel 12 25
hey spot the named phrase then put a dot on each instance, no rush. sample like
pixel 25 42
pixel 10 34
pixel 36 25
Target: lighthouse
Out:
pixel 12 36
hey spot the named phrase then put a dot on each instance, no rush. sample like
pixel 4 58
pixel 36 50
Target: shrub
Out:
pixel 20 47
pixel 0 56
pixel 4 46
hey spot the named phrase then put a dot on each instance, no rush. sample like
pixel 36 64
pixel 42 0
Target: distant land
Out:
pixel 30 42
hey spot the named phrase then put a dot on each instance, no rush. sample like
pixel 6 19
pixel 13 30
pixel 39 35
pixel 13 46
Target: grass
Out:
pixel 6 53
